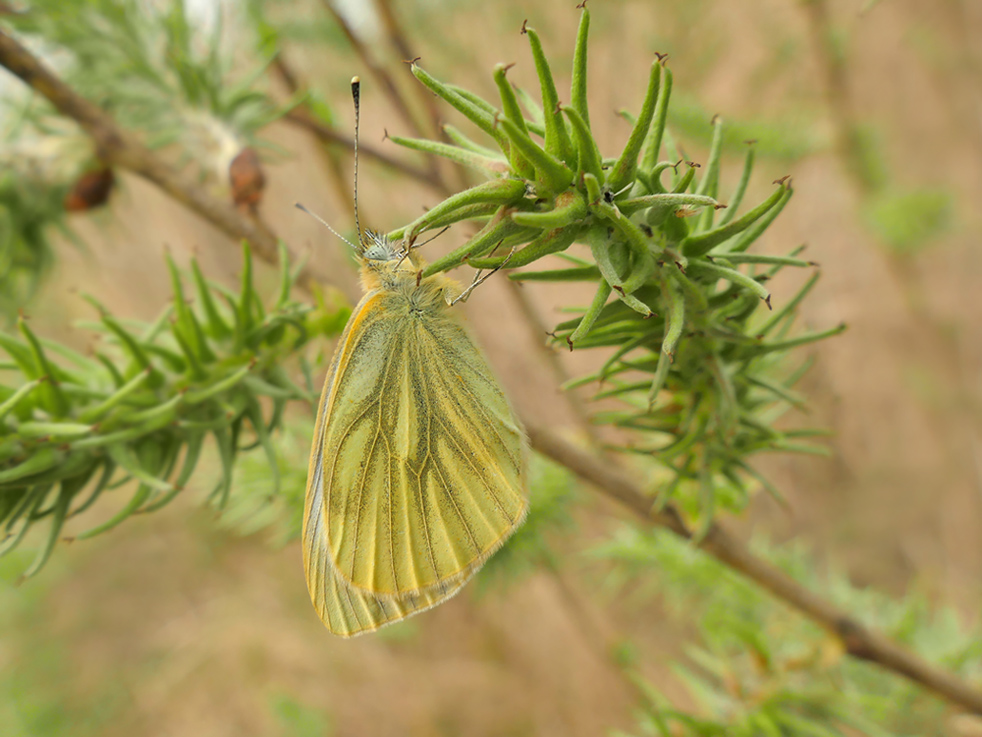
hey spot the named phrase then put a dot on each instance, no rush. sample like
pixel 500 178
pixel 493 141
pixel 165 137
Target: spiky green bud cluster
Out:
pixel 677 293
pixel 144 405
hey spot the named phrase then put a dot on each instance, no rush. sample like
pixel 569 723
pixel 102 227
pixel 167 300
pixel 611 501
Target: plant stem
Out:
pixel 858 640
pixel 120 148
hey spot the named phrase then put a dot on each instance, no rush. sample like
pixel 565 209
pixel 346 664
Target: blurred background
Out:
pixel 190 623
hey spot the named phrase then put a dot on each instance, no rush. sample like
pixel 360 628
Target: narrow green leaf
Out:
pixel 587 154
pixel 501 192
pixel 57 521
pixel 490 166
pixel 14 399
pixel 622 175
pixel 582 273
pixel 509 102
pixel 789 307
pixel 741 189
pixel 737 277
pixel 557 137
pixel 455 135
pixel 201 395
pixel 664 203
pixel 569 208
pixel 644 261
pixel 482 117
pixel 542 245
pixel 52 397
pixel 702 243
pixel 656 131
pixel 751 234
pixel 709 184
pixel 551 173
pixel 578 86
pixel 590 316
pixel 485 240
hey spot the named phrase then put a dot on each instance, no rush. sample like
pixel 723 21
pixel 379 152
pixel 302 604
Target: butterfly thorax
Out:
pixel 388 268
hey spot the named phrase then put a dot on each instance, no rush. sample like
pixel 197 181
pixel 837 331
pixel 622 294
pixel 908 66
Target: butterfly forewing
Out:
pixel 423 460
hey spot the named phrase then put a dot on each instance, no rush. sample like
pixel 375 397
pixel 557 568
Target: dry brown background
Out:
pixel 172 626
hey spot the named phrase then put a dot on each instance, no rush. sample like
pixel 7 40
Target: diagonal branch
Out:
pixel 377 70
pixel 397 37
pixel 302 118
pixel 120 148
pixel 858 640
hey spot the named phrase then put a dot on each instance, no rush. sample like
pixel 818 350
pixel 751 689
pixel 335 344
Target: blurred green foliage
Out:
pixel 143 406
pixel 761 668
pixel 909 221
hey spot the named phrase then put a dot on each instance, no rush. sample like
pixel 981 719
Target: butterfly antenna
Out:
pixel 326 224
pixel 356 96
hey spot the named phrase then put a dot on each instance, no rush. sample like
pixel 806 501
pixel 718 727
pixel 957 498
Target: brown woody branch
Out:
pixel 857 639
pixel 379 72
pixel 398 39
pixel 120 148
pixel 300 117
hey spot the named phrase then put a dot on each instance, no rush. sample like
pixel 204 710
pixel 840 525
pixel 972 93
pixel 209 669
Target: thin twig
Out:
pixel 299 116
pixel 398 39
pixel 379 72
pixel 857 639
pixel 329 151
pixel 559 374
pixel 847 137
pixel 120 148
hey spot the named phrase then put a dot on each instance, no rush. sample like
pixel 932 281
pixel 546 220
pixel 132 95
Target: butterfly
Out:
pixel 418 470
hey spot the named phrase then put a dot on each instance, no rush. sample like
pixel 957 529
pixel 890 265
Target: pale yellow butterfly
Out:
pixel 418 467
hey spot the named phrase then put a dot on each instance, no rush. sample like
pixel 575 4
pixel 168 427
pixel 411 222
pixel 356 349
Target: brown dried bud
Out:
pixel 91 190
pixel 245 175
